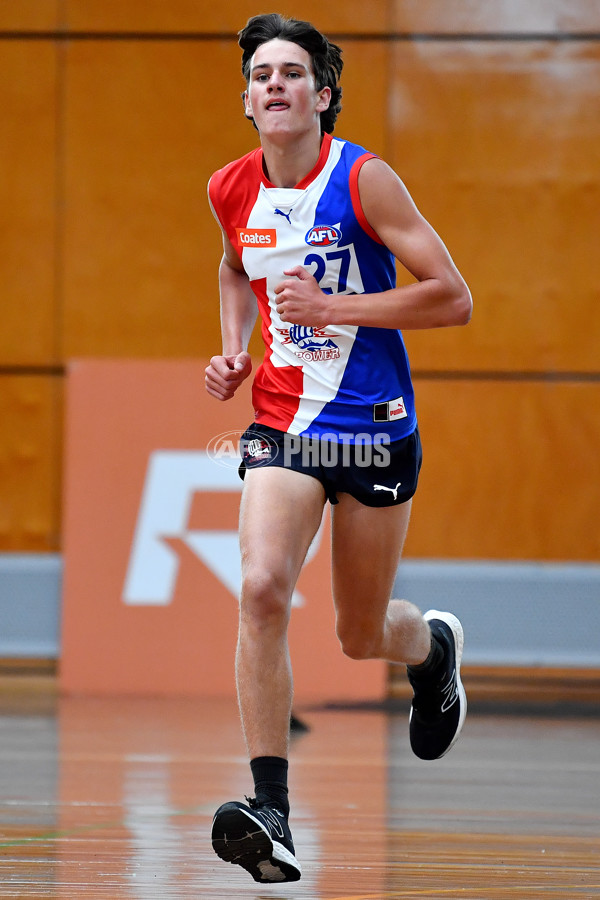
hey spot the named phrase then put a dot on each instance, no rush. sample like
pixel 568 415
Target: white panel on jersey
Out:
pixel 322 353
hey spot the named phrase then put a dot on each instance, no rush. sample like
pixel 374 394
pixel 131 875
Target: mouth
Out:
pixel 277 105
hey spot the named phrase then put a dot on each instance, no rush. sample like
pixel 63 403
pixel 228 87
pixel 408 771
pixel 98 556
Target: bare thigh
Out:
pixel 280 513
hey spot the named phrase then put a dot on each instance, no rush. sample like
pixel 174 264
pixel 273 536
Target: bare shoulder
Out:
pixel 383 195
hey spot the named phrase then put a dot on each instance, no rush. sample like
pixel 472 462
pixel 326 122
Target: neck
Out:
pixel 287 164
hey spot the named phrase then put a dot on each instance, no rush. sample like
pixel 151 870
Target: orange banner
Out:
pixel 152 567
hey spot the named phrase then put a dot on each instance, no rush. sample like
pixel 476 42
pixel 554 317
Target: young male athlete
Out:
pixel 312 227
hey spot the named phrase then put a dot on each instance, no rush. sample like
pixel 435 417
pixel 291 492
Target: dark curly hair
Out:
pixel 326 57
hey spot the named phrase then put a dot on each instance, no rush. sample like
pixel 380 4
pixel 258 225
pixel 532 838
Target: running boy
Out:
pixel 312 226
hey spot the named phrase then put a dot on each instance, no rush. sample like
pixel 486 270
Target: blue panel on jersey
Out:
pixel 376 263
pixel 351 412
pixel 368 377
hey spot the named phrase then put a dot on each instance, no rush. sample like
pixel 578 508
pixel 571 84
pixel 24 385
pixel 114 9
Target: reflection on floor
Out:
pixel 113 798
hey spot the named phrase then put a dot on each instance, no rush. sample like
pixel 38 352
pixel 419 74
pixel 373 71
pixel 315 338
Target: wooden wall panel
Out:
pixel 363 118
pixel 27 201
pixel 511 471
pixel 30 454
pixel 29 15
pixel 500 146
pixel 509 16
pixel 147 123
pixel 352 16
pixel 498 143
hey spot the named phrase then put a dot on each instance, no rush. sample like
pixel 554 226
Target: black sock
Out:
pixel 433 661
pixel 270 781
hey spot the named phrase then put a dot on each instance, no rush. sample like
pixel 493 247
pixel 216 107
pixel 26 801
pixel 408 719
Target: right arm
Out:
pixel 225 373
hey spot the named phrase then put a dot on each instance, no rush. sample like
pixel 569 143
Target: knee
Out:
pixel 264 601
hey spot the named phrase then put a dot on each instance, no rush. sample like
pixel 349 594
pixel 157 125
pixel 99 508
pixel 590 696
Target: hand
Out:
pixel 224 374
pixel 301 301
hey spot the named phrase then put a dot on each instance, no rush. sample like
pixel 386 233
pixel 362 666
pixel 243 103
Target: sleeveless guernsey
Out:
pixel 339 380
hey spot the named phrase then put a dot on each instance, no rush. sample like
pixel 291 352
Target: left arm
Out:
pixel 439 297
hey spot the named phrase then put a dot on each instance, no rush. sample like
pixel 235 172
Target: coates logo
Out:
pixel 323 235
pixel 256 237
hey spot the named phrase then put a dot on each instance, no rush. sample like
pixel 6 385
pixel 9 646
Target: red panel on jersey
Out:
pixel 277 389
pixel 232 191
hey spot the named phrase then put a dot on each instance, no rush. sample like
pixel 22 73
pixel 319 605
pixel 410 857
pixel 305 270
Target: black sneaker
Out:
pixel 439 705
pixel 258 838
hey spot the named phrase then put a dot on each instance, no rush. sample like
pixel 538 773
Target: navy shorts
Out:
pixel 378 473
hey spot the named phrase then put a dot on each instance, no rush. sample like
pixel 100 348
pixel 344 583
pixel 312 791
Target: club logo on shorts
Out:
pixel 257 449
pixel 323 235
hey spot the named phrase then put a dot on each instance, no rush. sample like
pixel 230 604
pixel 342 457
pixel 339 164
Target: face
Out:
pixel 282 96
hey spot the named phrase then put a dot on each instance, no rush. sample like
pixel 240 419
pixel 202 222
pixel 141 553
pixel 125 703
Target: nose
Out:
pixel 276 82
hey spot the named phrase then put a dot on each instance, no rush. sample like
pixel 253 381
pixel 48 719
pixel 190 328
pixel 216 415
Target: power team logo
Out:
pixel 323 235
pixel 256 237
pixel 313 344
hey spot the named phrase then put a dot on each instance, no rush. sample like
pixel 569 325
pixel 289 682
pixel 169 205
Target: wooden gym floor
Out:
pixel 113 798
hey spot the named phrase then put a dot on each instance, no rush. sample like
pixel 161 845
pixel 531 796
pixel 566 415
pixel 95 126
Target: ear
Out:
pixel 247 105
pixel 324 99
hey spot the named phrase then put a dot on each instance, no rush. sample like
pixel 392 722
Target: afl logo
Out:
pixel 323 236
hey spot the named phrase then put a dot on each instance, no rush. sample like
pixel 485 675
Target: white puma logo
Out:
pixel 382 487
